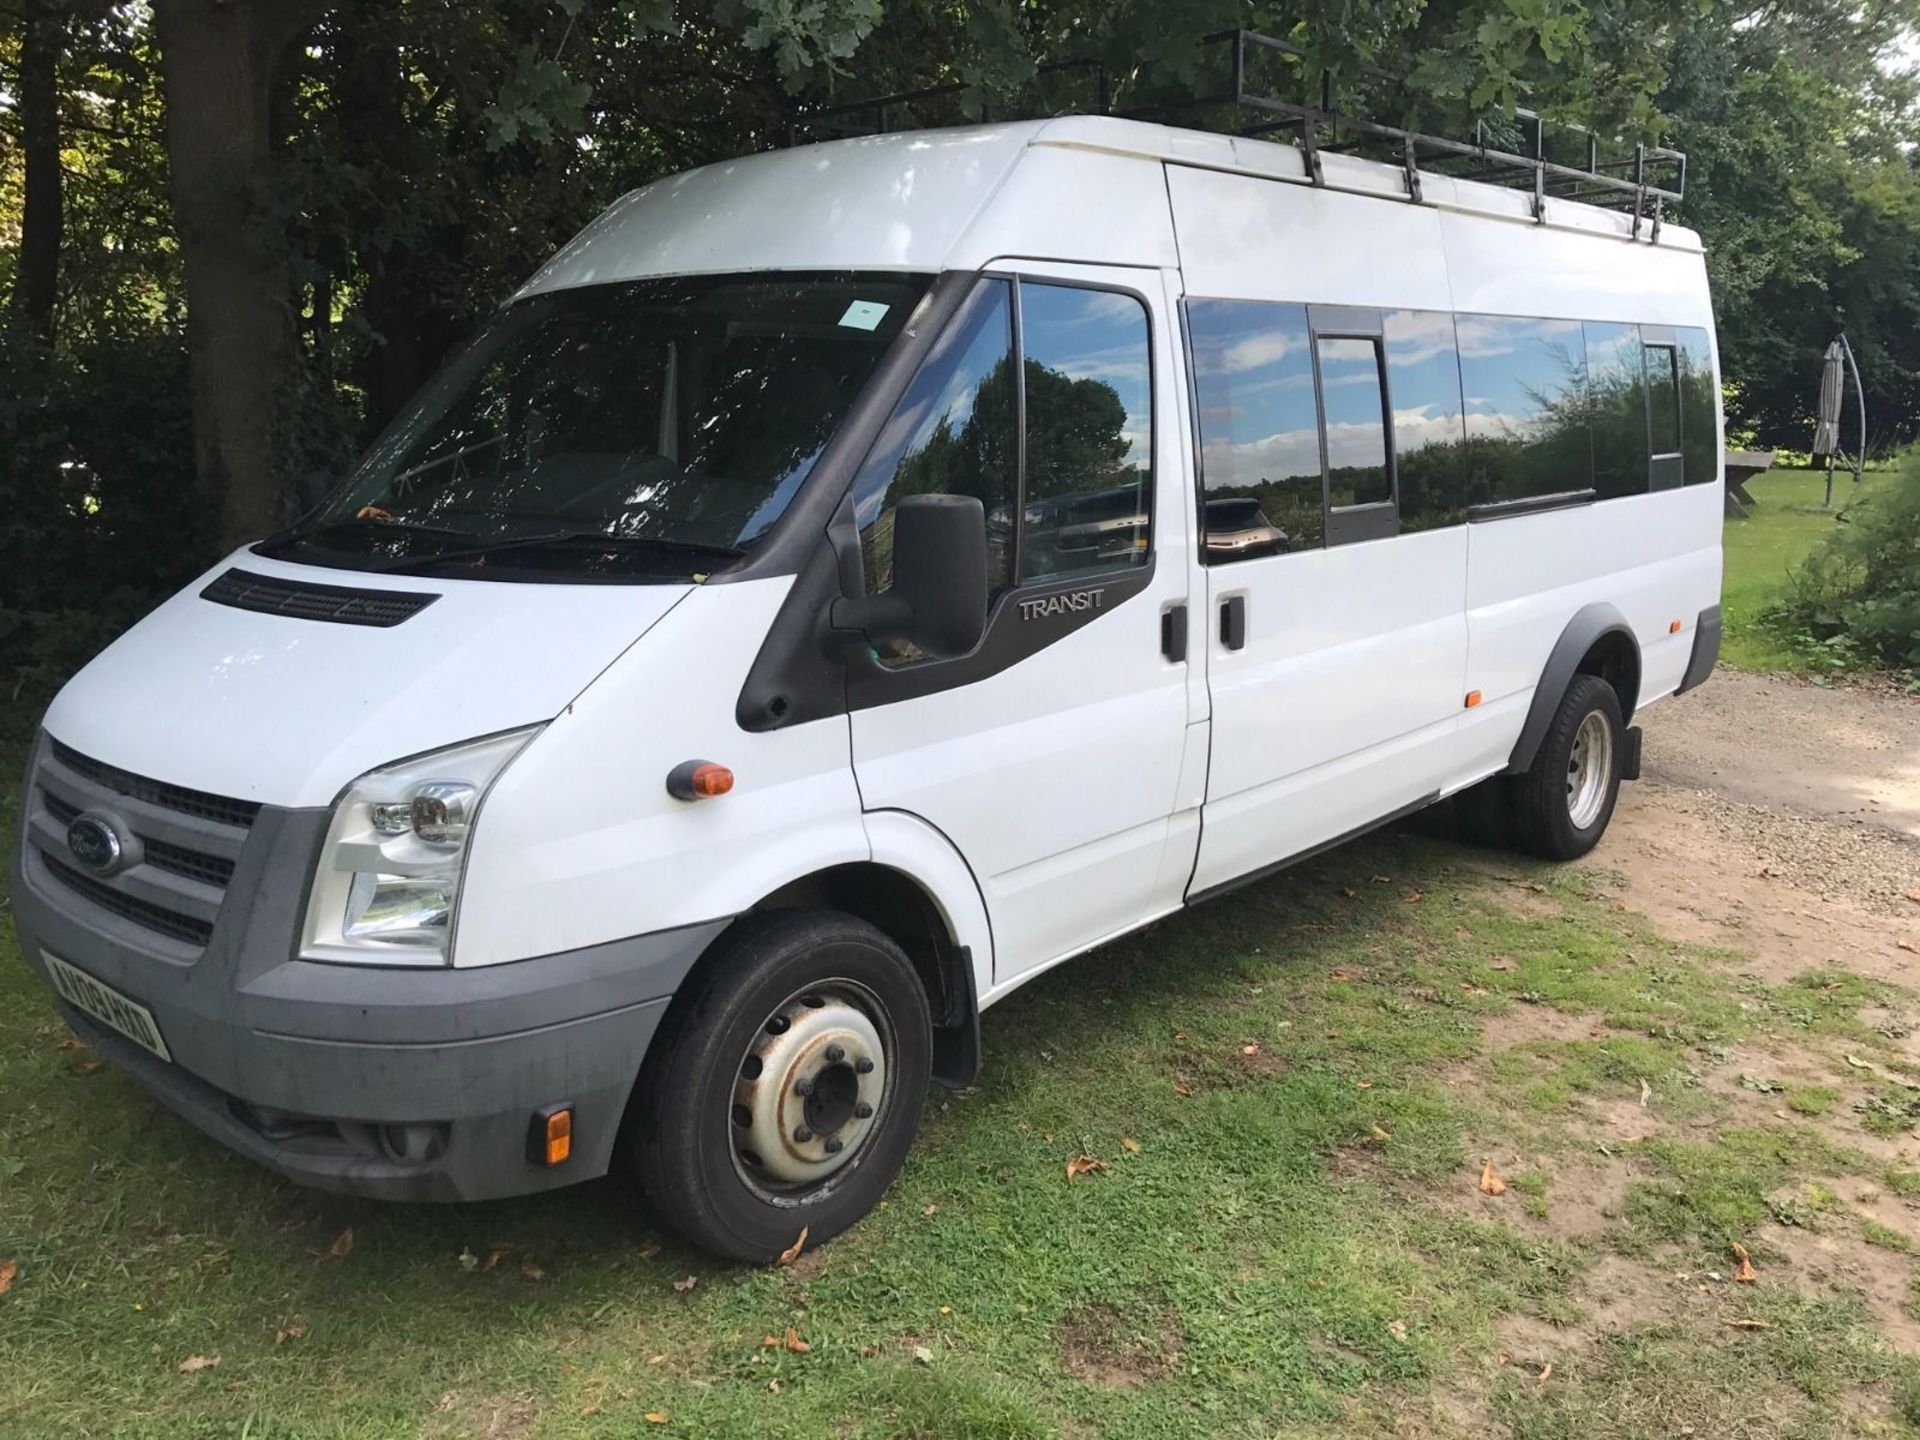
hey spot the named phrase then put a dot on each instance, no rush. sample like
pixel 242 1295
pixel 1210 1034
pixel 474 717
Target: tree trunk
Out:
pixel 42 41
pixel 217 60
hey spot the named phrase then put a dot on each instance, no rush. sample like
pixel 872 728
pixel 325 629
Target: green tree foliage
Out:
pixel 417 159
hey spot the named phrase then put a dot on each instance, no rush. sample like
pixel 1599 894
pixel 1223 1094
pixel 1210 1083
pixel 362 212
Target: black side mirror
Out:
pixel 938 598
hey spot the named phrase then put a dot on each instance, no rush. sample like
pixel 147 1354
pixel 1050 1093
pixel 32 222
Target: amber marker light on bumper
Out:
pixel 551 1137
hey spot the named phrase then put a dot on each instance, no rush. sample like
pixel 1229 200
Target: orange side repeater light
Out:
pixel 1674 628
pixel 1473 698
pixel 552 1139
pixel 698 780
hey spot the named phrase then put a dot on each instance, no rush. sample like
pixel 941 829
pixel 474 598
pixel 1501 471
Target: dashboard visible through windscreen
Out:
pixel 647 429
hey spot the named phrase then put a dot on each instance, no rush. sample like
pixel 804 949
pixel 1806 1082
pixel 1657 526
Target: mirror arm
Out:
pixel 869 620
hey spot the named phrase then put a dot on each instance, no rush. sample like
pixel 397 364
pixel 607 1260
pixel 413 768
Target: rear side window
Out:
pixel 1354 403
pixel 1699 410
pixel 1525 390
pixel 1618 399
pixel 1429 432
pixel 1259 428
pixel 953 433
pixel 1089 416
pixel 1663 398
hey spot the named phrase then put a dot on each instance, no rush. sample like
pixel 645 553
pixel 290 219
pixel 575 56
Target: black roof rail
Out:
pixel 1643 181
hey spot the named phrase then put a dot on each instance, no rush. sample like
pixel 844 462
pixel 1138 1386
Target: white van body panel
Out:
pixel 882 202
pixel 581 843
pixel 909 845
pixel 284 711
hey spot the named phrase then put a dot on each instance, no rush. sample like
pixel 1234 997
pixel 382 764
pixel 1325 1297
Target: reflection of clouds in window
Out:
pixel 1255 352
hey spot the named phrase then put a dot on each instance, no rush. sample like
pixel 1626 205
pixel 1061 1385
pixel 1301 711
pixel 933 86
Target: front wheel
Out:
pixel 785 1086
pixel 1564 801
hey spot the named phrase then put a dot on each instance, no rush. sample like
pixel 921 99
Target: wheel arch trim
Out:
pixel 1590 626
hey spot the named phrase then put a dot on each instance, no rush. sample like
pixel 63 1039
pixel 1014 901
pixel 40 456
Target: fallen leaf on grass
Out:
pixel 1397 1329
pixel 468 1260
pixel 74 1042
pixel 792 1252
pixel 8 1269
pixel 1914 894
pixel 1129 1144
pixel 86 1067
pixel 795 1344
pixel 198 1362
pixel 530 1268
pixel 923 1354
pixel 1363 1084
pixel 1414 897
pixel 1251 1049
pixel 929 1207
pixel 657 1417
pixel 1381 1133
pixel 1545 1371
pixel 494 1257
pixel 1646 1093
pixel 650 1250
pixel 292 1328
pixel 1084 1165
pixel 683 1286
pixel 1491 1183
pixel 1749 1324
pixel 342 1243
pixel 1338 975
pixel 1746 1273
pixel 1908 946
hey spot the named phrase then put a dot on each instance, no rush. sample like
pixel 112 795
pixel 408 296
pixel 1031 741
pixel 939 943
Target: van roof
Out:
pixel 929 200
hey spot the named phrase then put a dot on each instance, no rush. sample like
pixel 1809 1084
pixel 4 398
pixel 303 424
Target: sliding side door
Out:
pixel 1332 447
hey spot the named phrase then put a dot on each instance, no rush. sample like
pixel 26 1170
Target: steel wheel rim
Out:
pixel 1589 769
pixel 811 1091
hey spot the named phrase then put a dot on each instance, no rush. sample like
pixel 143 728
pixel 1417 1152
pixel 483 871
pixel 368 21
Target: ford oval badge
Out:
pixel 95 843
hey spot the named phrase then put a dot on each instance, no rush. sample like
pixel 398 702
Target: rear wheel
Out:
pixel 785 1086
pixel 1562 804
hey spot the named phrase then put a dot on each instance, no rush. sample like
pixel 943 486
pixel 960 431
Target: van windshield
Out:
pixel 650 429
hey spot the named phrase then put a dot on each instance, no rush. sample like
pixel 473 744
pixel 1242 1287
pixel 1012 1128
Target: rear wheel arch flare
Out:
pixel 1596 641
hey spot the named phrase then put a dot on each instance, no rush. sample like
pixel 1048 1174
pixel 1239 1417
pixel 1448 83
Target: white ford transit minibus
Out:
pixel 842 584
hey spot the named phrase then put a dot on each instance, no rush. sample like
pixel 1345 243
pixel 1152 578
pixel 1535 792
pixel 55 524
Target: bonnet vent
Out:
pixel 301 600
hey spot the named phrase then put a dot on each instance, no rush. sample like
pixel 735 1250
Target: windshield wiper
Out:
pixel 596 539
pixel 370 525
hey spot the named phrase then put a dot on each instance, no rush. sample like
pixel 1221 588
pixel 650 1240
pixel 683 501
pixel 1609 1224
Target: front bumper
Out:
pixel 416 1084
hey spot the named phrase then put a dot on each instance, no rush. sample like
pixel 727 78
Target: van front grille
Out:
pixel 181 844
pixel 141 912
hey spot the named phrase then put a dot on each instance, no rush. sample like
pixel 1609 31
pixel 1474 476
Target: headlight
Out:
pixel 389 874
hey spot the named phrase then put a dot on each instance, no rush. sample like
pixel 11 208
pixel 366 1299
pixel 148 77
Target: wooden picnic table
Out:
pixel 1742 466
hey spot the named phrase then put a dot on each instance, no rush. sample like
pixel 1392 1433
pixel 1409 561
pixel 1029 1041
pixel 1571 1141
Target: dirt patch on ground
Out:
pixel 490 1417
pixel 1103 1347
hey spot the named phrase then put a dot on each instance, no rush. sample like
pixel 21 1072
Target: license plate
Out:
pixel 106 1004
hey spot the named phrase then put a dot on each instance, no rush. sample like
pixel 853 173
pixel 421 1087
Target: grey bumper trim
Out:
pixel 1706 650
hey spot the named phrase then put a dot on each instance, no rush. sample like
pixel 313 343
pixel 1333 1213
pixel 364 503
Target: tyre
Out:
pixel 1562 804
pixel 785 1085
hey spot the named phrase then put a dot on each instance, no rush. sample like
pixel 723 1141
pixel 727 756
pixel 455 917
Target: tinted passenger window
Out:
pixel 1663 398
pixel 952 434
pixel 1259 428
pixel 1618 386
pixel 1429 432
pixel 1525 384
pixel 1699 414
pixel 1353 399
pixel 1089 430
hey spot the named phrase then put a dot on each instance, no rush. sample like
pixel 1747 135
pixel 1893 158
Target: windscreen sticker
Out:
pixel 864 314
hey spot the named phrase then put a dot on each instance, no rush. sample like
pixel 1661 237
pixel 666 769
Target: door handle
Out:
pixel 1173 633
pixel 1233 622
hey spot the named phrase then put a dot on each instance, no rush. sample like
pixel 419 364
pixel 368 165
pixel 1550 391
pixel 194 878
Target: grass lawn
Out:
pixel 1786 523
pixel 1293 1091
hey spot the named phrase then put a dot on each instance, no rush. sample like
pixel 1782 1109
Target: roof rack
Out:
pixel 1644 181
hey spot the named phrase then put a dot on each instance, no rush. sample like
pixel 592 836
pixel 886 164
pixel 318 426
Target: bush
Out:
pixel 1855 601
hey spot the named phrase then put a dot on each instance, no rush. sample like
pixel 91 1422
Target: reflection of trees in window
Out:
pixel 1618 390
pixel 1355 417
pixel 958 416
pixel 1527 418
pixel 1429 430
pixel 1699 415
pixel 1085 504
pixel 1259 432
